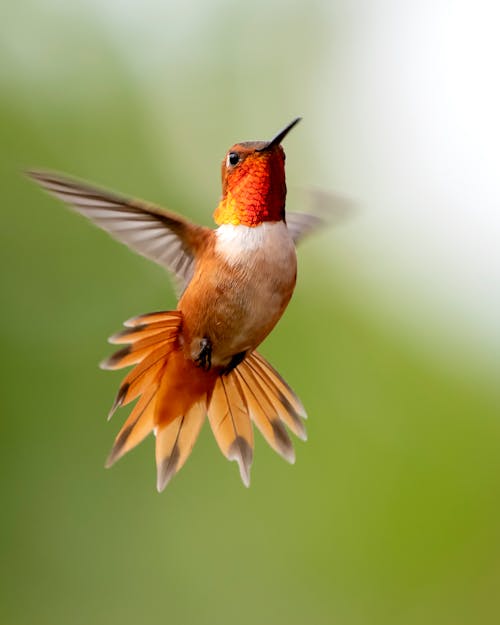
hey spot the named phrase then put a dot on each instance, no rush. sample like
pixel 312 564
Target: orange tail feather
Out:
pixel 230 423
pixel 173 392
pixel 175 395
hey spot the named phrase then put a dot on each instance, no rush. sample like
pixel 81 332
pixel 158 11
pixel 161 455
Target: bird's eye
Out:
pixel 233 159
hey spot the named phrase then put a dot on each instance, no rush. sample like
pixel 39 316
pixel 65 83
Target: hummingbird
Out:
pixel 235 282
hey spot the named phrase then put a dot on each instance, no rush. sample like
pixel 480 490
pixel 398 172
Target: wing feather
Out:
pixel 157 234
pixel 326 209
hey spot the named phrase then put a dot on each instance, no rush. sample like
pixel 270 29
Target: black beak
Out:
pixel 280 136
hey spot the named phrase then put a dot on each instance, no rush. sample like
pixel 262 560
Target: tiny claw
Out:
pixel 204 359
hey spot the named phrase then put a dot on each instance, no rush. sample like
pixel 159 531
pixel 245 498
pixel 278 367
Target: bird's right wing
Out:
pixel 157 234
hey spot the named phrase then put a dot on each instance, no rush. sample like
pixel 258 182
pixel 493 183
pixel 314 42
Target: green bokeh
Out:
pixel 391 514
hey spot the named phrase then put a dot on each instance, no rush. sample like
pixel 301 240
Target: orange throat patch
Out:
pixel 232 211
pixel 254 192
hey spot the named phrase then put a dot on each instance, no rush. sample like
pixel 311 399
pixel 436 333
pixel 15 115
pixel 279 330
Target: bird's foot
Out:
pixel 204 359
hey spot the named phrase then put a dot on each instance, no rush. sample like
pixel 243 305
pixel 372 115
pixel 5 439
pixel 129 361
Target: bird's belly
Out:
pixel 251 310
pixel 236 300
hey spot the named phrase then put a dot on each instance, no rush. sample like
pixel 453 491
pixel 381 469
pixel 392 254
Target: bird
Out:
pixel 234 282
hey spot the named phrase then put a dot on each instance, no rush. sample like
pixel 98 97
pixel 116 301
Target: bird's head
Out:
pixel 253 182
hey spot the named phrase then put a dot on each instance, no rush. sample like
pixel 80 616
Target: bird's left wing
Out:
pixel 162 236
pixel 326 209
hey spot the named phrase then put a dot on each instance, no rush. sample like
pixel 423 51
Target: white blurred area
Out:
pixel 401 107
pixel 418 103
pixel 401 112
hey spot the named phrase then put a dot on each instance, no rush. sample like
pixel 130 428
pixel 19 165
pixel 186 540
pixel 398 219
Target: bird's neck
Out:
pixel 251 202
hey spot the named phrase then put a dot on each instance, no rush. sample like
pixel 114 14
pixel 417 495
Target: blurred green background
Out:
pixel 391 513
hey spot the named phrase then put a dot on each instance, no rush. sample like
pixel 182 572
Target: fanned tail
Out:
pixel 173 392
pixel 174 396
pixel 254 391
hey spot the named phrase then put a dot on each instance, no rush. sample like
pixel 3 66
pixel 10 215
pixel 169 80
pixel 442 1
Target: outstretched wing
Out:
pixel 161 236
pixel 327 209
pixel 302 224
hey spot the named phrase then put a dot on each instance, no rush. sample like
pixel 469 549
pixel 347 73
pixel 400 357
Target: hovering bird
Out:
pixel 235 283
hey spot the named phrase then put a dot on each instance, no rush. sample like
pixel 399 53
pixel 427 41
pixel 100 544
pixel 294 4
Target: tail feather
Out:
pixel 138 382
pixel 285 402
pixel 264 415
pixel 139 379
pixel 175 441
pixel 174 395
pixel 139 424
pixel 150 340
pixel 143 331
pixel 281 386
pixel 172 391
pixel 133 354
pixel 165 316
pixel 230 423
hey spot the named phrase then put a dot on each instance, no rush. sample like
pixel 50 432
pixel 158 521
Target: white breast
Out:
pixel 270 241
pixel 266 264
